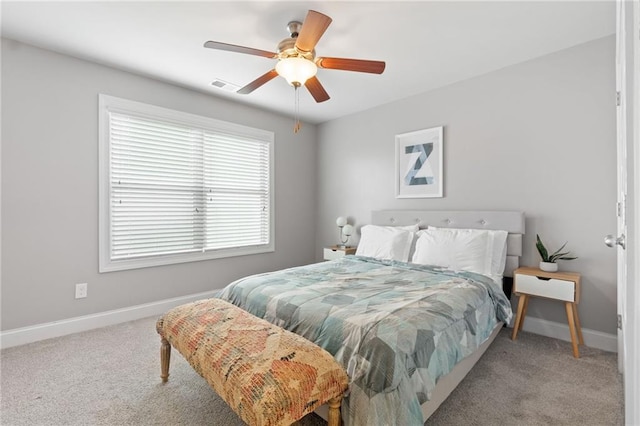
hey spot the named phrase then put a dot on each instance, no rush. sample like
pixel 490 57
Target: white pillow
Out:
pixel 412 228
pixel 455 249
pixel 385 242
pixel 498 242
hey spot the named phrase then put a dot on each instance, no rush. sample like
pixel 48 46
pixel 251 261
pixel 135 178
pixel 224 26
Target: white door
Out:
pixel 618 242
pixel 631 321
pixel 628 141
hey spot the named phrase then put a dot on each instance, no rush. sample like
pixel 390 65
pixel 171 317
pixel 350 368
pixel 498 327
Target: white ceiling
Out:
pixel 425 44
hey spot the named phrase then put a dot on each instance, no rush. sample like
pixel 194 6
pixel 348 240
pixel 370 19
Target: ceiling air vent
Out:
pixel 225 85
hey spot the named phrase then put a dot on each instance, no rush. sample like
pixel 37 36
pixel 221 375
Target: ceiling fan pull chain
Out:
pixel 296 125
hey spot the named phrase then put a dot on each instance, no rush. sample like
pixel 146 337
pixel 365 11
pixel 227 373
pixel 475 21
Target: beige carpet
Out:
pixel 110 376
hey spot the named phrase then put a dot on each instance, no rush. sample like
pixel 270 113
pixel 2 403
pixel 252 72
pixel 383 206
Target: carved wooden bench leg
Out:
pixel 333 419
pixel 165 357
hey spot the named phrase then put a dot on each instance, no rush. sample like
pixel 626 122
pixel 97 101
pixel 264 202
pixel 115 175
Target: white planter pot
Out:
pixel 548 266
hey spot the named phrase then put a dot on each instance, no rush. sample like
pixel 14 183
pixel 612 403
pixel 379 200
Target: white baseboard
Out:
pixel 24 335
pixel 593 339
pixel 34 333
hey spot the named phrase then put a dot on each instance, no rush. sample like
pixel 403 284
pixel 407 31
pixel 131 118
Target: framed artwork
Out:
pixel 419 164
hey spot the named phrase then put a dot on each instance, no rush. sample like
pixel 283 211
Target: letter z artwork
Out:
pixel 419 164
pixel 424 151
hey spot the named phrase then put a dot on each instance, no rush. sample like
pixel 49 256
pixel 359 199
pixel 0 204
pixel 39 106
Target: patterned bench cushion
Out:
pixel 267 375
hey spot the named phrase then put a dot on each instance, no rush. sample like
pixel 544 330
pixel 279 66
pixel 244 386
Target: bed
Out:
pixel 406 333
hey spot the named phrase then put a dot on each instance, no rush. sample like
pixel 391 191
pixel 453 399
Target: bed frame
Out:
pixel 511 221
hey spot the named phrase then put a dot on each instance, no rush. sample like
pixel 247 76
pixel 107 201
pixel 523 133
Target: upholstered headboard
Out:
pixel 510 221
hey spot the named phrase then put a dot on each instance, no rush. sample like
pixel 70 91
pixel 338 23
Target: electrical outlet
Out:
pixel 81 290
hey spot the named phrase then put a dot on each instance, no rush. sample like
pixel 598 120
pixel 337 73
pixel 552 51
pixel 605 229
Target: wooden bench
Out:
pixel 267 375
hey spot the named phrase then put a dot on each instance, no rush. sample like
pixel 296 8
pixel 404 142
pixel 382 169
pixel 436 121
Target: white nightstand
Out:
pixel 336 252
pixel 563 286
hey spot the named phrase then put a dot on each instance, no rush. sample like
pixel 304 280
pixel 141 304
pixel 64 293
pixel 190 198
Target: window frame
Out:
pixel 107 104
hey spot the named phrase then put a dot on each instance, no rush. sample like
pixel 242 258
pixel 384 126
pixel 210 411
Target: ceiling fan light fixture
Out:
pixel 296 70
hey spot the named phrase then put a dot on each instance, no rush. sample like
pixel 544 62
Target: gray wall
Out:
pixel 50 190
pixel 538 137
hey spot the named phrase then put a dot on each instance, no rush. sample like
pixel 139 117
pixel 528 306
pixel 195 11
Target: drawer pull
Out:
pixel 543 278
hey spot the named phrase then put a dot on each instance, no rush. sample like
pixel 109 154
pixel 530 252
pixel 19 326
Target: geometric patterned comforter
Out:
pixel 395 327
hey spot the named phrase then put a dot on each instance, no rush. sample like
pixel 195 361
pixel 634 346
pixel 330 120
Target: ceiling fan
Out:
pixel 297 61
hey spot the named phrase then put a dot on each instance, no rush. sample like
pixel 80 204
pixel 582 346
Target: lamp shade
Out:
pixel 347 230
pixel 296 70
pixel 341 221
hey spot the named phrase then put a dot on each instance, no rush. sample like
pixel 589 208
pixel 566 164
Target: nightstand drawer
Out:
pixel 331 253
pixel 552 288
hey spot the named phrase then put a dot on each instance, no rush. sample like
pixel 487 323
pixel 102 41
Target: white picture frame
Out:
pixel 419 164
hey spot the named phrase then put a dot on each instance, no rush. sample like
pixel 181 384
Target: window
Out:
pixel 176 187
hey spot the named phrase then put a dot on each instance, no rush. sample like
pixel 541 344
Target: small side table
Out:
pixel 563 286
pixel 336 252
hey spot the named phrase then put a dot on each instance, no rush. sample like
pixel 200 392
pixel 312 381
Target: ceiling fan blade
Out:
pixel 314 25
pixel 239 49
pixel 359 65
pixel 316 89
pixel 264 78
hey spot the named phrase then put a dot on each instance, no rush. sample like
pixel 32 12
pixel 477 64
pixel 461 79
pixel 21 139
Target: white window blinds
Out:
pixel 182 189
pixel 236 181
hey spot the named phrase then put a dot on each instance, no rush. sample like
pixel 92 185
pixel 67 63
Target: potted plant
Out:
pixel 548 262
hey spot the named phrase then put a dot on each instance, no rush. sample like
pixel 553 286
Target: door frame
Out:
pixel 624 172
pixel 631 326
